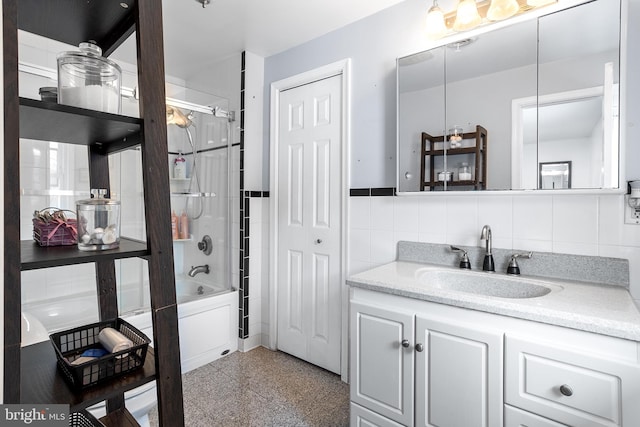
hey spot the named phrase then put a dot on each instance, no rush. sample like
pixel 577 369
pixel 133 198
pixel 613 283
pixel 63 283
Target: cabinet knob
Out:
pixel 406 343
pixel 566 390
pixel 419 348
pixel 317 241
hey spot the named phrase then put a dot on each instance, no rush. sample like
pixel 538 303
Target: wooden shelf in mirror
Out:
pixel 479 163
pixel 42 381
pixel 33 256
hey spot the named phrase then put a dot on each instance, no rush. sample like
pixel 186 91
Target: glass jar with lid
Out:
pixel 88 80
pixel 464 172
pixel 98 222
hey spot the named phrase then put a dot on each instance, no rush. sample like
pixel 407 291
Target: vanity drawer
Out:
pixel 569 386
pixel 514 417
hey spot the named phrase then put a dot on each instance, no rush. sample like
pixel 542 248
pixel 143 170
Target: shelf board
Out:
pixel 76 21
pixel 50 121
pixel 120 418
pixel 187 194
pixel 450 183
pixel 42 382
pixel 34 256
pixel 451 151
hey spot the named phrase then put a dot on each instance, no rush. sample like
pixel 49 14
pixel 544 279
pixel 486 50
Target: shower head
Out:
pixel 176 117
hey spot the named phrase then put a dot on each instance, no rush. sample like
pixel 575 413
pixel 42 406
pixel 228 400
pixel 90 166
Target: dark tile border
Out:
pixel 243 291
pixel 366 192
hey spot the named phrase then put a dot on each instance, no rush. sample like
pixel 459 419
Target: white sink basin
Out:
pixel 484 283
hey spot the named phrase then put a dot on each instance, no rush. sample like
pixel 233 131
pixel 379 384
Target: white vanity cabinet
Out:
pixel 571 384
pixel 413 367
pixel 420 363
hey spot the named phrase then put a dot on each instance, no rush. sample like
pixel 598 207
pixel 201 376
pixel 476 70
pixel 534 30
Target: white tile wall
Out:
pixel 575 224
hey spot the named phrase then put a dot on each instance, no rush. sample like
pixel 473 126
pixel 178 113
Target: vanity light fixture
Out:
pixel 436 27
pixel 539 3
pixel 467 16
pixel 502 9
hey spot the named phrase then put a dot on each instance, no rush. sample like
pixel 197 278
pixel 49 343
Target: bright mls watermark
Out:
pixel 34 415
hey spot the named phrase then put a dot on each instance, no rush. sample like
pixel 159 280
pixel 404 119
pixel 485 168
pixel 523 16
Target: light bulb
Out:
pixel 538 3
pixel 435 22
pixel 467 16
pixel 502 9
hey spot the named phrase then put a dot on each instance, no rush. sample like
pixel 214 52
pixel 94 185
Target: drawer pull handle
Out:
pixel 406 343
pixel 419 348
pixel 566 390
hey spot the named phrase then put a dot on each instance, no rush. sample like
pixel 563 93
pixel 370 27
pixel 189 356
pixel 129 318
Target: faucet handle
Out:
pixel 513 267
pixel 464 259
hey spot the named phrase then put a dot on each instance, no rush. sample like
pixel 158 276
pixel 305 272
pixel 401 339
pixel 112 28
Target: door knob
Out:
pixel 406 343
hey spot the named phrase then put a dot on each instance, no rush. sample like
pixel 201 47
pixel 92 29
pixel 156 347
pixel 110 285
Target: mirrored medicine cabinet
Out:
pixel 506 104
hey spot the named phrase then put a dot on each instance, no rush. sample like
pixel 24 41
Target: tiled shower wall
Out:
pixel 574 224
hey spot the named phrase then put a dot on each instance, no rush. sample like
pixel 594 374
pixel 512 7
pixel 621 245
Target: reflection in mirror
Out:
pixel 570 128
pixel 555 175
pixel 482 80
pixel 585 129
pixel 420 88
pixel 540 88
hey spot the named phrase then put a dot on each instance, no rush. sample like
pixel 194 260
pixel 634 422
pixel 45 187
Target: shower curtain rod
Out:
pixel 126 92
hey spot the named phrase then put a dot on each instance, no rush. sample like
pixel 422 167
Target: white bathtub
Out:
pixel 207 324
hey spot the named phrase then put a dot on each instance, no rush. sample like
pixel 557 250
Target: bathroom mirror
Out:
pixel 544 90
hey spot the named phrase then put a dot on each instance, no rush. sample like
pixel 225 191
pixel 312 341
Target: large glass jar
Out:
pixel 464 172
pixel 98 222
pixel 88 80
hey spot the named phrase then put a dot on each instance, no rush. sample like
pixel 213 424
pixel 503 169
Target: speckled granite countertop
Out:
pixel 603 309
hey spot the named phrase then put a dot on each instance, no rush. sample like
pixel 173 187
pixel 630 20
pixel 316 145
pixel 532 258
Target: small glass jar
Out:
pixel 88 80
pixel 98 222
pixel 445 176
pixel 464 172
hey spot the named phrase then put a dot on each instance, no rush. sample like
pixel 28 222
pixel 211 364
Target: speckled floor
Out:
pixel 263 388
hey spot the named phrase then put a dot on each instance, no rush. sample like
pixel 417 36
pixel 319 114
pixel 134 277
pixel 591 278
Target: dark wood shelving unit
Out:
pixel 429 153
pixel 107 133
pixel 42 383
pixel 30 373
pixel 74 22
pixel 34 256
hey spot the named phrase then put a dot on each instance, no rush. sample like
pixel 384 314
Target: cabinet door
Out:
pixel 362 417
pixel 381 367
pixel 458 374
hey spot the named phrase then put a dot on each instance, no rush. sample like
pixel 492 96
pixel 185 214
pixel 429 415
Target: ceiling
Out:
pixel 196 38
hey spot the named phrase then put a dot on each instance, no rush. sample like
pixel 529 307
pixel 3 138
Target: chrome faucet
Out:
pixel 488 264
pixel 513 268
pixel 199 269
pixel 464 259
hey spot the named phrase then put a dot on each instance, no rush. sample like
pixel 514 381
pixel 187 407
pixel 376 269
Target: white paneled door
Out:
pixel 309 235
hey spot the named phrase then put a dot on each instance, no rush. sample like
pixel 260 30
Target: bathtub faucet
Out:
pixel 199 269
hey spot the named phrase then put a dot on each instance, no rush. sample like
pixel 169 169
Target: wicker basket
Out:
pixel 69 345
pixel 51 227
